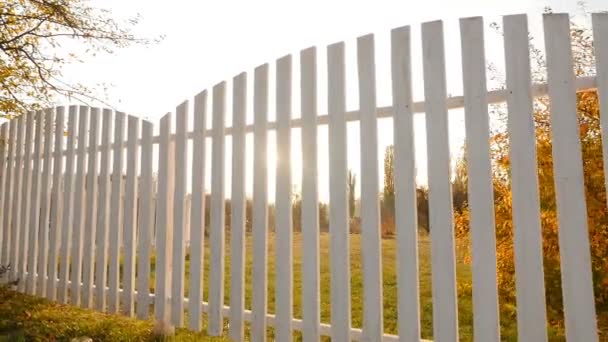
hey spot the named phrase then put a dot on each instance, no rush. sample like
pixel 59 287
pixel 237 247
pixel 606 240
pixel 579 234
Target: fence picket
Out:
pixel 577 283
pixel 26 188
pixel 92 179
pixel 284 234
pixel 33 239
pixel 445 311
pixel 55 234
pixel 68 200
pixel 600 45
pixel 406 220
pixel 310 203
pixel 238 209
pixel 16 205
pixel 481 191
pixel 259 287
pixel 197 213
pixel 8 236
pixel 130 217
pixel 338 209
pixel 179 219
pixel 79 206
pixel 164 222
pixel 5 167
pixel 531 313
pixel 217 219
pixel 145 222
pixel 103 213
pixel 116 212
pixel 370 207
pixel 45 203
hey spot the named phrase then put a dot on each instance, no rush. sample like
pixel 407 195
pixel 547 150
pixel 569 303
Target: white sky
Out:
pixel 210 41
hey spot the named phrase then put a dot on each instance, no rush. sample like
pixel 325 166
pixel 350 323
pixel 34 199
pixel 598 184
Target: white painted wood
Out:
pixel 103 213
pixel 338 205
pixel 481 191
pixel 18 194
pixel 8 238
pixel 217 215
pixel 26 189
pixel 57 196
pixel 45 203
pixel 445 310
pixel 79 206
pixel 116 212
pixel 92 178
pixel 164 223
pixel 5 167
pixel 197 213
pixel 238 209
pixel 32 256
pixel 373 327
pixel 406 220
pixel 530 290
pixel 145 222
pixel 575 258
pixel 179 219
pixel 259 287
pixel 130 217
pixel 310 197
pixel 68 201
pixel 283 229
pixel 600 45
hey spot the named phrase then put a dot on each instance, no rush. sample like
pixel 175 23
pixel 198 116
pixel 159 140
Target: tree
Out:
pixel 352 183
pixel 31 61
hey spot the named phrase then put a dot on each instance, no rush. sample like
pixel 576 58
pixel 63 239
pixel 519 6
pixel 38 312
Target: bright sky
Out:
pixel 210 41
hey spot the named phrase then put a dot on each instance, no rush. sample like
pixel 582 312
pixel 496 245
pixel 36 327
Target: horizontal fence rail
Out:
pixel 83 217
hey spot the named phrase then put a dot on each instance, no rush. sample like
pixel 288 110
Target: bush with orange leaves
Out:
pixel 595 190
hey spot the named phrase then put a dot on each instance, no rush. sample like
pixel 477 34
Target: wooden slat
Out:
pixel 197 213
pixel 45 203
pixel 103 213
pixel 18 194
pixel 217 219
pixel 406 220
pixel 79 206
pixel 5 167
pixel 310 197
pixel 32 256
pixel 145 222
pixel 164 223
pixel 600 45
pixel 445 314
pixel 179 219
pixel 238 209
pixel 68 200
pixel 130 217
pixel 24 214
pixel 338 209
pixel 283 229
pixel 8 237
pixel 370 207
pixel 481 191
pixel 259 287
pixel 575 258
pixel 116 211
pixel 531 312
pixel 90 228
pixel 55 234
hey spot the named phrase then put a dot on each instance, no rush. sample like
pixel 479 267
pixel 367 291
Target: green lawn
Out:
pixel 42 320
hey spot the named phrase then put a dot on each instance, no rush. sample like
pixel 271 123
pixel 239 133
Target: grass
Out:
pixel 38 319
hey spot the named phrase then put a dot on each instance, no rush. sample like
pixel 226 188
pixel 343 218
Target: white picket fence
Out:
pixel 68 220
